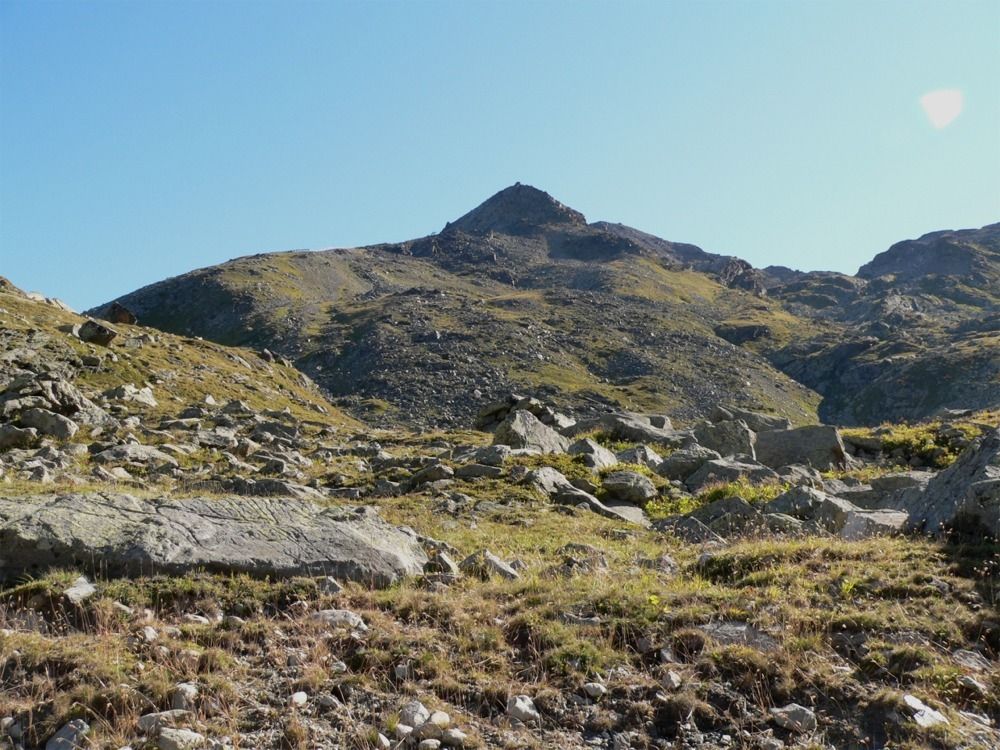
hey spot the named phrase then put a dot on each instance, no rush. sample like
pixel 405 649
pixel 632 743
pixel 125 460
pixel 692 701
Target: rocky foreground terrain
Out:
pixel 522 294
pixel 198 550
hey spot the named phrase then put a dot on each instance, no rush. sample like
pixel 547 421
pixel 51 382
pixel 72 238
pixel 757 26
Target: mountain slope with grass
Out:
pixel 198 550
pixel 522 293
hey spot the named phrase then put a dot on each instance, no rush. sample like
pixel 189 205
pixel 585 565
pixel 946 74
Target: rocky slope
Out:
pixel 523 294
pixel 197 551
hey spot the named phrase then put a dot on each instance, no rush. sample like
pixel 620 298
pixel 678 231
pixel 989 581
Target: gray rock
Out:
pixel 522 708
pixel 818 446
pixel 72 736
pixel 689 529
pixel 809 504
pixel 729 515
pixel 754 420
pixel 80 591
pixel 152 723
pixel 967 492
pixel 862 524
pixel 485 565
pixel 477 471
pixel 595 455
pixel 684 462
pixel 128 392
pixel 523 430
pixel 133 453
pixel 628 487
pixel 795 718
pixel 95 333
pixel 179 739
pixel 636 428
pixel 729 438
pixel 413 714
pixel 49 423
pixel 17 437
pixel 432 473
pixel 642 455
pixel 341 618
pixel 547 480
pixel 226 534
pixel 728 470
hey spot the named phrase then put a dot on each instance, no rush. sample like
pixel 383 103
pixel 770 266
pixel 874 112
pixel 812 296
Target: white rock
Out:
pixel 429 745
pixel 80 591
pixel 383 742
pixel 594 690
pixel 522 708
pixel 403 731
pixel 923 714
pixel 341 618
pixel 413 714
pixel 184 696
pixel 453 738
pixel 672 680
pixel 299 699
pixel 440 719
pixel 795 718
pixel 179 739
pixel 150 723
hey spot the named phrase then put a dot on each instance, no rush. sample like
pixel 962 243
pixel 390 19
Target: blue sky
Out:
pixel 139 140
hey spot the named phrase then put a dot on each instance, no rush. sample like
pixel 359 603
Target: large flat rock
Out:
pixel 118 534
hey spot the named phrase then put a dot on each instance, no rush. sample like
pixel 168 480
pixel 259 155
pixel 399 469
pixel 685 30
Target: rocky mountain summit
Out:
pixel 198 550
pixel 522 293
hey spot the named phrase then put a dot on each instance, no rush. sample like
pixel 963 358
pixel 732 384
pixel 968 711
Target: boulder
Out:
pixel 689 529
pixel 795 718
pixel 636 428
pixel 133 453
pixel 809 504
pixel 595 455
pixel 862 524
pixel 729 516
pixel 95 333
pixel 642 455
pixel 967 493
pixel 628 487
pixel 124 535
pixel 818 446
pixel 118 313
pixel 727 470
pixel 485 565
pixel 684 462
pixel 523 430
pixel 17 437
pixel 49 423
pixel 560 490
pixel 728 438
pixel 754 420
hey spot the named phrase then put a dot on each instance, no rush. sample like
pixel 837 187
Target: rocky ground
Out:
pixel 197 550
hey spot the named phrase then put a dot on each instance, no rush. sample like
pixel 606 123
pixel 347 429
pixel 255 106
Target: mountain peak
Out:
pixel 518 209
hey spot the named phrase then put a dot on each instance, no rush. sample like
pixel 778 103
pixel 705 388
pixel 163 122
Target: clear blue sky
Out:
pixel 139 140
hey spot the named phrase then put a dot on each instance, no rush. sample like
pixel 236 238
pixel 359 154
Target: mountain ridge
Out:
pixel 521 293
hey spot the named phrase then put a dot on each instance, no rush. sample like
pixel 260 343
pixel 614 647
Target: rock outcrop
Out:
pixel 117 534
pixel 966 494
